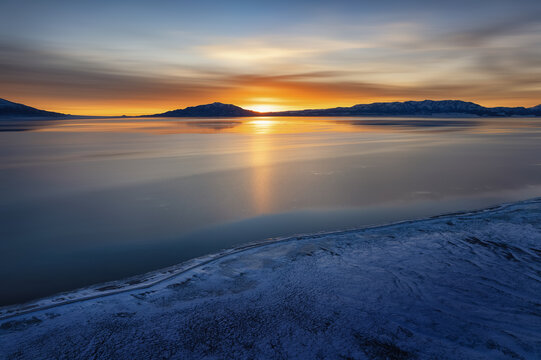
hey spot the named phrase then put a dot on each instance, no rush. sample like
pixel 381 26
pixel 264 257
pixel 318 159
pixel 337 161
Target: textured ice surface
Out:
pixel 464 286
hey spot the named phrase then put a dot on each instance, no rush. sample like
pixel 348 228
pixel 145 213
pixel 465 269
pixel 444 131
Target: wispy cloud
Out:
pixel 257 51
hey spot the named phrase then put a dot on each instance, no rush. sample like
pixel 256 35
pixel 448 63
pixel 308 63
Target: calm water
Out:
pixel 85 201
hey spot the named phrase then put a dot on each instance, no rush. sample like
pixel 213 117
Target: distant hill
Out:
pixel 422 108
pixel 10 109
pixel 214 109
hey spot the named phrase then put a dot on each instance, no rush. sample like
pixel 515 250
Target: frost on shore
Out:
pixel 465 286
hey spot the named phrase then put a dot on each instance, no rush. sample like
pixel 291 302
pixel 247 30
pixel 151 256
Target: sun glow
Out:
pixel 263 108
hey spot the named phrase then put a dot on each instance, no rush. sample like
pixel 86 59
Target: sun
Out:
pixel 263 108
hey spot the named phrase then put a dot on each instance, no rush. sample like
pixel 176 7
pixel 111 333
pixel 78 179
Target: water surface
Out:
pixel 90 200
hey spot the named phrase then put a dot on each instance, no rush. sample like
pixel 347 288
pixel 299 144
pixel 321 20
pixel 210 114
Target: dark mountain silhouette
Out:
pixel 536 109
pixel 214 109
pixel 10 109
pixel 422 108
pixel 451 108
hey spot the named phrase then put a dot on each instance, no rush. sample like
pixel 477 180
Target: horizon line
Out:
pixel 273 111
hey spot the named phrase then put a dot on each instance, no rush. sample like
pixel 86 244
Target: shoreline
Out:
pixel 457 286
pixel 153 278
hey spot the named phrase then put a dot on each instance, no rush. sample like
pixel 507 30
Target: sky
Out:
pixel 142 57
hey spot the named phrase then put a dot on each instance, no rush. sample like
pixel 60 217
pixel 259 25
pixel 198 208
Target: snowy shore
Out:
pixel 463 286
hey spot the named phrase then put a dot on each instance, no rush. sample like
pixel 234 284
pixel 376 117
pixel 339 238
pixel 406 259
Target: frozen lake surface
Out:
pixel 462 286
pixel 93 200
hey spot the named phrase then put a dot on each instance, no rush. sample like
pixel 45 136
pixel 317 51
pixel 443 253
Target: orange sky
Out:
pixel 262 95
pixel 258 92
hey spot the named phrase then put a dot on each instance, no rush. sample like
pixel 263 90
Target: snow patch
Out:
pixel 462 286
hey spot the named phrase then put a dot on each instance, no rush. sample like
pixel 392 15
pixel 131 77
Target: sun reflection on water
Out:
pixel 261 157
pixel 262 126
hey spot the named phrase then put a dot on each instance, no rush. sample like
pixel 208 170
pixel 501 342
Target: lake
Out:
pixel 92 200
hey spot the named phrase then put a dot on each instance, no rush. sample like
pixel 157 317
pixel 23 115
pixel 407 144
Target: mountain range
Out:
pixel 448 108
pixel 422 108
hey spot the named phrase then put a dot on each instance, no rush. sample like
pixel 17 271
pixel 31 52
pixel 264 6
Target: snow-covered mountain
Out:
pixel 10 109
pixel 214 109
pixel 425 108
pixel 420 107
